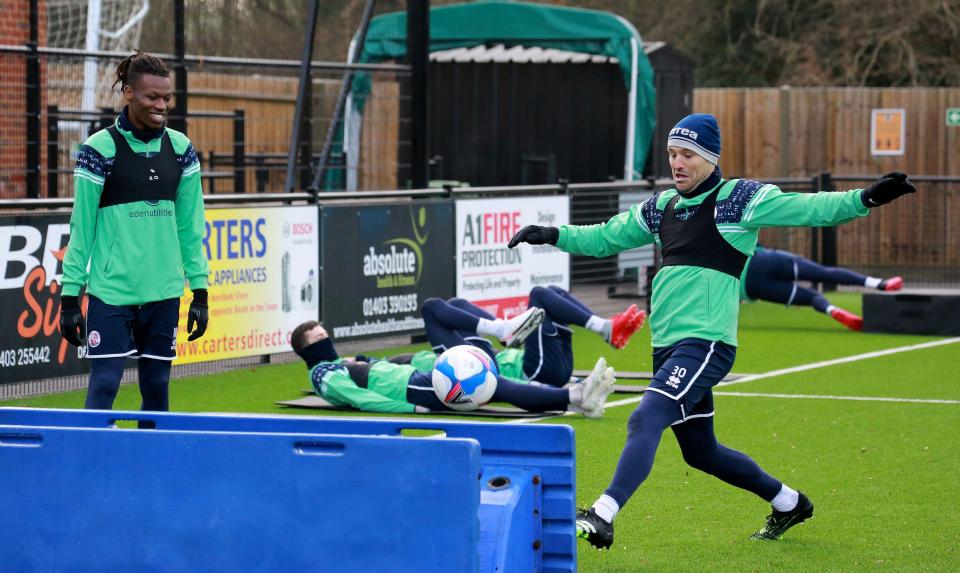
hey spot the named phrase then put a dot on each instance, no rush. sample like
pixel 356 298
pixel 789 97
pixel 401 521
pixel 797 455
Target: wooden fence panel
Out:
pixel 803 153
pixel 792 132
pixel 798 132
pixel 380 138
pixel 727 105
pixel 269 102
pixel 762 133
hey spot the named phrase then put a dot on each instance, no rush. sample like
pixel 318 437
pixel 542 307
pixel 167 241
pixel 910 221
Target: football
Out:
pixel 464 378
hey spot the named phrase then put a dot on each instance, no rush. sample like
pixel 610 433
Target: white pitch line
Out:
pixel 825 397
pixel 835 361
pixel 782 371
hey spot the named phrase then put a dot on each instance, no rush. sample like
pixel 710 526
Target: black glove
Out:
pixel 72 325
pixel 197 316
pixel 886 189
pixel 535 235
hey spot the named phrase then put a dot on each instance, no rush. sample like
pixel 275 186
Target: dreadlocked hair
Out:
pixel 137 64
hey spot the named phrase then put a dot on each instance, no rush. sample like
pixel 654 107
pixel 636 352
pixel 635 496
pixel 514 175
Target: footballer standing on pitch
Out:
pixel 706 229
pixel 135 235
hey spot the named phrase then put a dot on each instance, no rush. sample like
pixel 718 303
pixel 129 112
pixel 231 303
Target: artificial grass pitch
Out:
pixel 883 475
pixel 314 402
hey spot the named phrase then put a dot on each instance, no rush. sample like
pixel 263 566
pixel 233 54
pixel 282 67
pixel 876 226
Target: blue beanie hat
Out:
pixel 699 133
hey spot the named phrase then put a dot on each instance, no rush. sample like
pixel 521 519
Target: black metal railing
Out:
pixel 238 107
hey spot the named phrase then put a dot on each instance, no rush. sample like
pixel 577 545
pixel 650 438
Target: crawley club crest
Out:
pixel 93 339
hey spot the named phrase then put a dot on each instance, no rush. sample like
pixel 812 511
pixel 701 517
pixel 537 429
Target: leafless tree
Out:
pixel 733 42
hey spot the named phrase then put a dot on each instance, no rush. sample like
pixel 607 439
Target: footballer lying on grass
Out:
pixel 404 384
pixel 540 349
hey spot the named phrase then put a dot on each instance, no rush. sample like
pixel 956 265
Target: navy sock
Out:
pixel 810 297
pixel 154 384
pixel 573 300
pixel 698 444
pixel 702 451
pixel 653 415
pixel 472 337
pixel 469 307
pixel 808 270
pixel 453 323
pixel 531 398
pixel 105 375
pixel 442 318
pixel 560 309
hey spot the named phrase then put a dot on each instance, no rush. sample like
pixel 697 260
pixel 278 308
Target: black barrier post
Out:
pixel 418 55
pixel 306 138
pixel 179 121
pixel 305 59
pixel 327 149
pixel 260 173
pixel 814 232
pixel 568 193
pixel 239 152
pixel 33 105
pixel 436 167
pixel 649 275
pixel 107 117
pixel 828 235
pixel 53 144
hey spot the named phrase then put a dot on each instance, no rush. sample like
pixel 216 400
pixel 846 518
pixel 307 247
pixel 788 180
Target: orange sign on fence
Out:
pixel 887 129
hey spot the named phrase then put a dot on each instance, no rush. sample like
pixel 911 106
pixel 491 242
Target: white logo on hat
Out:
pixel 684 132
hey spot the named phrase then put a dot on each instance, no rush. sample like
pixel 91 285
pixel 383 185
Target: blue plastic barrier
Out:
pixel 532 516
pixel 510 509
pixel 92 500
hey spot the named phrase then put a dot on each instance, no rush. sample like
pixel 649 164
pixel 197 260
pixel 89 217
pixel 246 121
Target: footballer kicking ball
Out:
pixel 464 378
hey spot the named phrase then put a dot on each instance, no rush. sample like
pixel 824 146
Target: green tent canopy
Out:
pixel 529 25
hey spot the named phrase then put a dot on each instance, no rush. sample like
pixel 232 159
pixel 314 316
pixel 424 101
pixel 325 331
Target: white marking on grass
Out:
pixel 825 397
pixel 530 420
pixel 801 368
pixel 613 404
pixel 835 361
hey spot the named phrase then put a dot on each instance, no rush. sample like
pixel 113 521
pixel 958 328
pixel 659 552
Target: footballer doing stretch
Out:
pixel 706 228
pixel 546 354
pixel 772 275
pixel 406 383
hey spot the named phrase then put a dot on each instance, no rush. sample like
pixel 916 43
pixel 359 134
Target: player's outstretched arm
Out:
pixel 891 186
pixel 771 207
pixel 535 235
pixel 623 231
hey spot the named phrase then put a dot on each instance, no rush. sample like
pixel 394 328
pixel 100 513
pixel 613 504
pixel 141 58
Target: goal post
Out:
pixel 95 25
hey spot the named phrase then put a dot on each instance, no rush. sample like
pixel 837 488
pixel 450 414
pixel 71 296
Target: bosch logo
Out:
pixel 302 229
